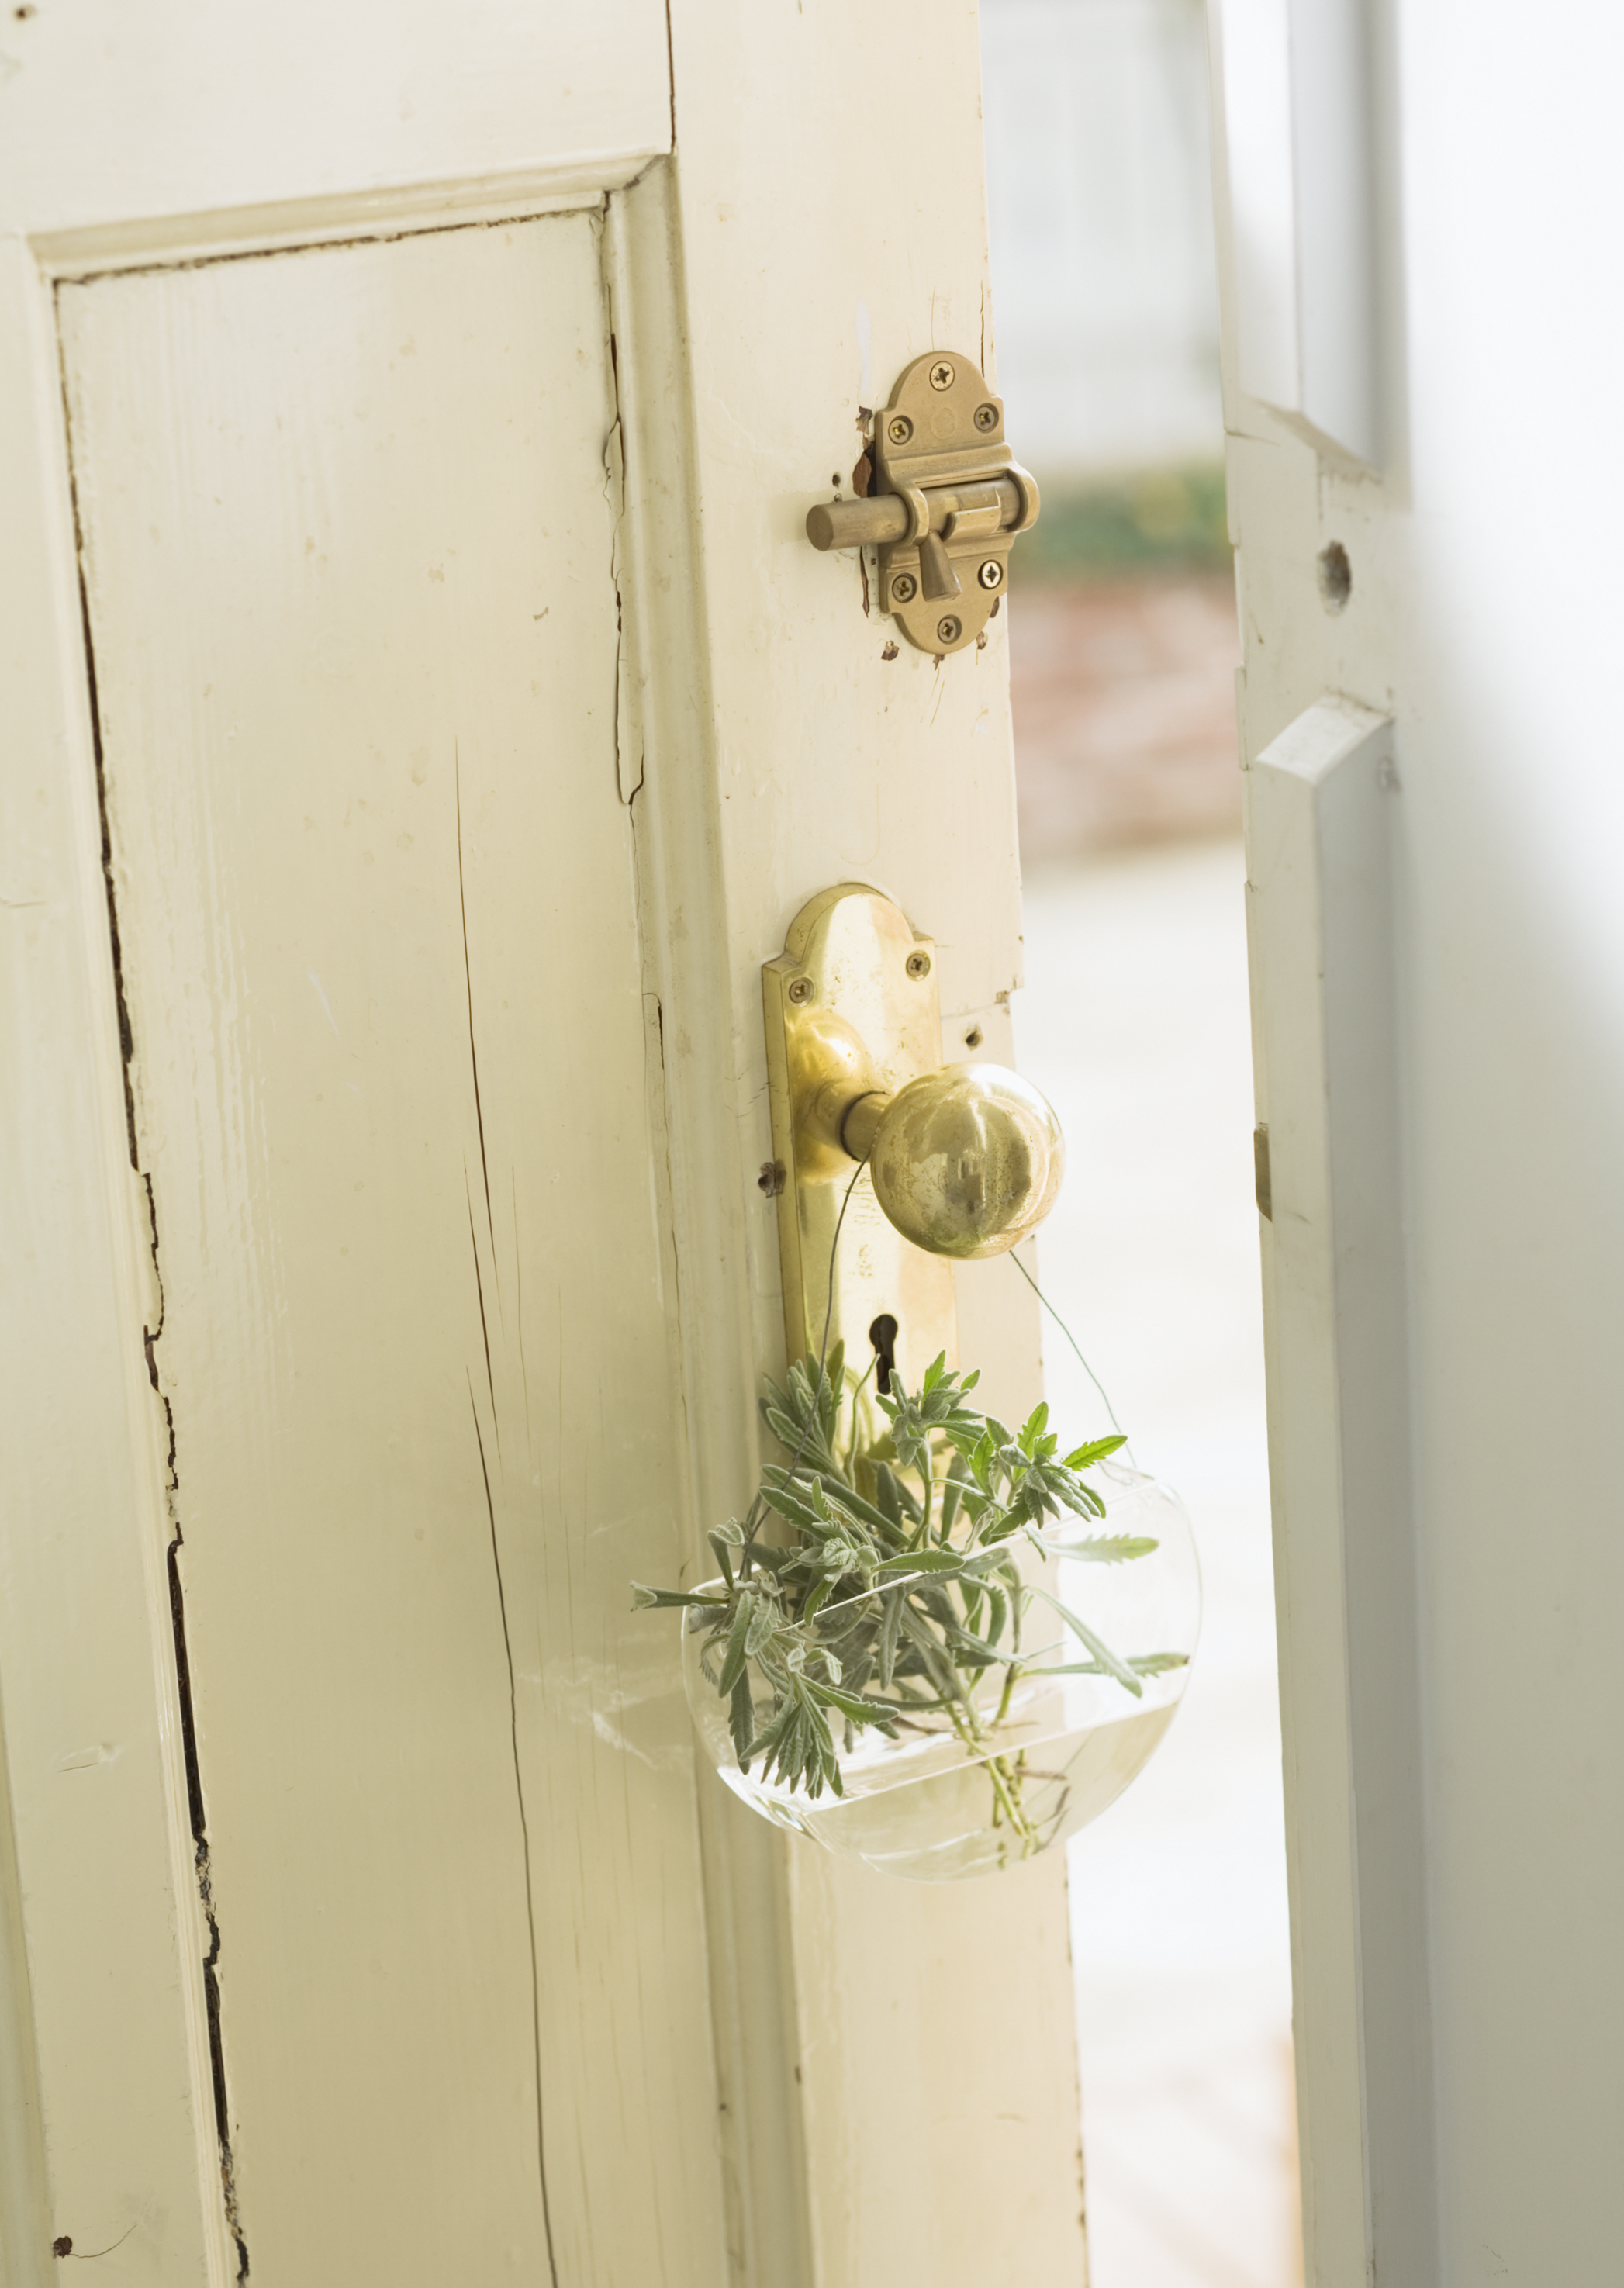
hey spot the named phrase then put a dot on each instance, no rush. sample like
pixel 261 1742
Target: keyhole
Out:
pixel 883 1335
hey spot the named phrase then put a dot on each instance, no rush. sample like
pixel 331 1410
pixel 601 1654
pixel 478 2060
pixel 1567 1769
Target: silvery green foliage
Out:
pixel 897 1590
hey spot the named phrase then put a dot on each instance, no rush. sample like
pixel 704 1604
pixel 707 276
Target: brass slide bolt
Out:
pixel 946 489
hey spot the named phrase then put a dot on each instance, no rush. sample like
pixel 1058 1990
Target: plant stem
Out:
pixel 1008 1792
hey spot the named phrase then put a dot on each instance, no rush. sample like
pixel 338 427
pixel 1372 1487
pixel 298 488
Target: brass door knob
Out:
pixel 965 1161
pixel 957 1161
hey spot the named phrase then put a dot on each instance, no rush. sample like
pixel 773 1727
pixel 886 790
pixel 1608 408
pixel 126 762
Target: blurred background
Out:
pixel 1123 650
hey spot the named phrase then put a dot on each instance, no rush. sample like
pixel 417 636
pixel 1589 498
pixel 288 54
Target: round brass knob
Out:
pixel 965 1161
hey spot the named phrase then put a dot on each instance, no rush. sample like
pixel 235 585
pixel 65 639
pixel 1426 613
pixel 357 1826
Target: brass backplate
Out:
pixel 853 996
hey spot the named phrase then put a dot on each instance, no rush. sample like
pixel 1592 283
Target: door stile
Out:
pixel 669 779
pixel 107 1892
pixel 1331 774
pixel 817 759
pixel 25 2213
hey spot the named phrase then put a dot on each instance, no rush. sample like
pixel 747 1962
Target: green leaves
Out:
pixel 938 1410
pixel 792 1501
pixel 846 1504
pixel 643 1597
pixel 745 1609
pixel 804 1414
pixel 890 1627
pixel 1085 1456
pixel 726 1542
pixel 853 1704
pixel 1109 1549
pixel 1148 1663
pixel 1101 1651
pixel 742 1719
pixel 797 1741
pixel 923 1560
pixel 897 1591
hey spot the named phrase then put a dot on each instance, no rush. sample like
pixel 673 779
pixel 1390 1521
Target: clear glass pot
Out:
pixel 1023 1753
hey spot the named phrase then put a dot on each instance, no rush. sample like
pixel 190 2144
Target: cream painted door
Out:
pixel 424 715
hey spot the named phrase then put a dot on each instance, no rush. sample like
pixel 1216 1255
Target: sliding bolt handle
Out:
pixel 997 506
pixel 965 1161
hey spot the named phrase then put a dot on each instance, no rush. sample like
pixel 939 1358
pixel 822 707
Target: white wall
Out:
pixel 1098 180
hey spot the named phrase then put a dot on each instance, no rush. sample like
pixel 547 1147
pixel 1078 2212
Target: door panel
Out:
pixel 348 540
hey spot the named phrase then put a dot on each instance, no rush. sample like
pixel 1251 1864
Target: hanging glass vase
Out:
pixel 1030 1684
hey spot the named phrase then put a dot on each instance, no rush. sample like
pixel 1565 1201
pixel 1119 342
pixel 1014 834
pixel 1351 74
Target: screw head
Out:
pixel 800 990
pixel 904 587
pixel 919 965
pixel 900 430
pixel 942 374
pixel 949 630
pixel 991 575
pixel 986 416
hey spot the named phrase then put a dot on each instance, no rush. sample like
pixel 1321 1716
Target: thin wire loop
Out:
pixel 1065 1331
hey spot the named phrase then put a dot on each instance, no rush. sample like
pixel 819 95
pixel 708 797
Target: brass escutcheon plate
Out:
pixel 853 998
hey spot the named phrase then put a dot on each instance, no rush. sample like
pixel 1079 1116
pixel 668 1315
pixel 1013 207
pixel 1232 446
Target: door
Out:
pixel 1428 712
pixel 426 716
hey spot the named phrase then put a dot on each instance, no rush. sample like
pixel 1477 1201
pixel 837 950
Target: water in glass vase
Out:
pixel 974 1818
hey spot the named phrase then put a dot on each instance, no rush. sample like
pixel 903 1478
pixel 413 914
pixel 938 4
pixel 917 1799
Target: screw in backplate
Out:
pixel 949 631
pixel 991 575
pixel 941 376
pixel 900 430
pixel 919 965
pixel 986 416
pixel 800 990
pixel 903 586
